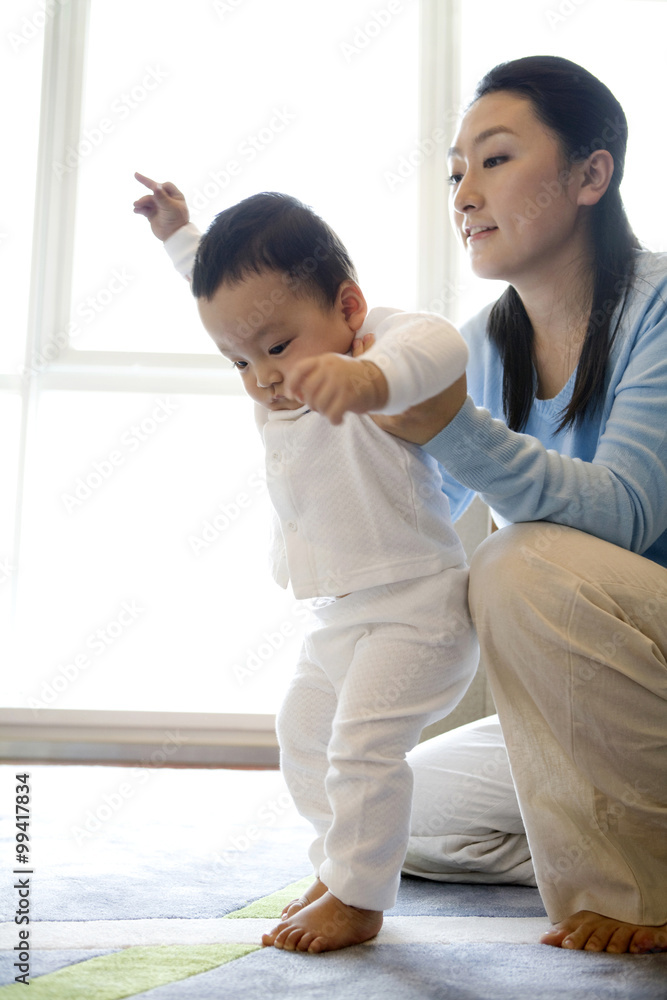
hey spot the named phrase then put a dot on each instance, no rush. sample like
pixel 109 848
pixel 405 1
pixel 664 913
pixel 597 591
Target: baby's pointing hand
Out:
pixel 165 208
pixel 333 384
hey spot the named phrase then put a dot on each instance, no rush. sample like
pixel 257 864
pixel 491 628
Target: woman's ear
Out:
pixel 596 174
pixel 352 304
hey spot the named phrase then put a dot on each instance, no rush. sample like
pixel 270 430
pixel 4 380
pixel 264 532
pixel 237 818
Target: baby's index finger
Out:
pixel 146 181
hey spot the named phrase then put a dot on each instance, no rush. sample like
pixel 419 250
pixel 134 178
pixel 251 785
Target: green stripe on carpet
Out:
pixel 273 905
pixel 128 972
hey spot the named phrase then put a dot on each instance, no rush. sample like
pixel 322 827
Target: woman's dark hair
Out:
pixel 272 232
pixel 585 116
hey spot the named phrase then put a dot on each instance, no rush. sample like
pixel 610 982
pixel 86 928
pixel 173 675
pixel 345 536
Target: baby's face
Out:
pixel 264 328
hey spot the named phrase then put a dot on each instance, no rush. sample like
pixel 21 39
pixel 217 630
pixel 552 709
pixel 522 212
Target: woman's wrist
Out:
pixel 423 422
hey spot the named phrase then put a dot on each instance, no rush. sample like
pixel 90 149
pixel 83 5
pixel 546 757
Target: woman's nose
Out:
pixel 467 195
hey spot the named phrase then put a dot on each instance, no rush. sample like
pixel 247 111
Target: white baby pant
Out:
pixel 572 794
pixel 377 666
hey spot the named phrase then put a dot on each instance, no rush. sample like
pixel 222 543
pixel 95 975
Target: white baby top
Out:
pixel 355 506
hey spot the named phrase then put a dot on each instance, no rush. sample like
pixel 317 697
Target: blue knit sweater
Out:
pixel 607 477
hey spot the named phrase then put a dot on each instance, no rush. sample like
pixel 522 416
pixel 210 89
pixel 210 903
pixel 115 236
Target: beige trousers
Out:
pixel 573 635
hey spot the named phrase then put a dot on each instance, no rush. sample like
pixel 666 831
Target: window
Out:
pixel 142 581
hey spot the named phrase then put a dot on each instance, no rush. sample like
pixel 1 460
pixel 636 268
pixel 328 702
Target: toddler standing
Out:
pixel 361 524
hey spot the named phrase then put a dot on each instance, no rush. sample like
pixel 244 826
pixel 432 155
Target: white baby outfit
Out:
pixel 361 513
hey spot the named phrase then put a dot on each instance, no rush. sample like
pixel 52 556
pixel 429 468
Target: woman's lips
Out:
pixel 476 233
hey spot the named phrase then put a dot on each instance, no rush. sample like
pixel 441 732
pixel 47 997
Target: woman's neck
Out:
pixel 558 310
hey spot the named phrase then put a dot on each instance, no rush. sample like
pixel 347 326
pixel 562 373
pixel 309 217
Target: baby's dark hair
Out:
pixel 272 232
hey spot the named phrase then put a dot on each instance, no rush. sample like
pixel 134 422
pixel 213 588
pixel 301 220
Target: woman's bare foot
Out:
pixel 592 932
pixel 312 893
pixel 325 925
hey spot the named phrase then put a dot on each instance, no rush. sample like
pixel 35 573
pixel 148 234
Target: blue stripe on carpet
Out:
pixel 118 885
pixel 429 972
pixel 421 897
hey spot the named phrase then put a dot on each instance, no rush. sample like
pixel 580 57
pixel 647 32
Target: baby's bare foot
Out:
pixel 589 931
pixel 325 925
pixel 312 893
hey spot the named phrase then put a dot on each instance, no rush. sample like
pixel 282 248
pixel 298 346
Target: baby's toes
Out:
pixel 270 938
pixel 290 939
pixel 293 907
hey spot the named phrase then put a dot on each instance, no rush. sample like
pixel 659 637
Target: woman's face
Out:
pixel 513 199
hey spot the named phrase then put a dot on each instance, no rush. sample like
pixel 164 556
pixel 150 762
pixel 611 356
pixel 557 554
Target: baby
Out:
pixel 361 524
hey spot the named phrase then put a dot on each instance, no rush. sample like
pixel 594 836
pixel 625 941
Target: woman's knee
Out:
pixel 509 566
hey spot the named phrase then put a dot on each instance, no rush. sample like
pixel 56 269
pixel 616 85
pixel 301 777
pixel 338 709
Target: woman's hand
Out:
pixel 165 208
pixel 422 422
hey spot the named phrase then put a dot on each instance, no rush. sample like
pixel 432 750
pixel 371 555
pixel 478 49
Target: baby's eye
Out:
pixel 240 365
pixel 279 348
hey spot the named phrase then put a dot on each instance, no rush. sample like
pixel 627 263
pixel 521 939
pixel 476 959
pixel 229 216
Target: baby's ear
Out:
pixel 352 304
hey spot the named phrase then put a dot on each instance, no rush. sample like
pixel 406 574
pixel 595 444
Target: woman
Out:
pixel 572 622
pixel 563 436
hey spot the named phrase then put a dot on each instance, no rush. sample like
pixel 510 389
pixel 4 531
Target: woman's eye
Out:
pixel 279 348
pixel 493 161
pixel 454 178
